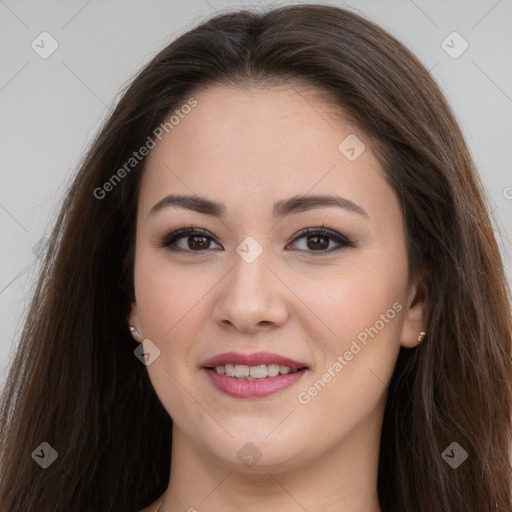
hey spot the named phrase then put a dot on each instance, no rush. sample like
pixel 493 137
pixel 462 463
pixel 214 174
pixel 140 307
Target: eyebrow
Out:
pixel 282 208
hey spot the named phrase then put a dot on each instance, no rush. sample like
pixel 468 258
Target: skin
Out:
pixel 249 149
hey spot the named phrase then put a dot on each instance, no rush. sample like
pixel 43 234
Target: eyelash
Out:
pixel 173 237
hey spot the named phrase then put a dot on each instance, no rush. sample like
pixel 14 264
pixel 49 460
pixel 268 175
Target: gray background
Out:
pixel 51 108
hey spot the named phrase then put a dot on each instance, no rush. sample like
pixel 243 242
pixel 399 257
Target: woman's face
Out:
pixel 251 292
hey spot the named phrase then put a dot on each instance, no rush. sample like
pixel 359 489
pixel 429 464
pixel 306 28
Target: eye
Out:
pixel 317 240
pixel 194 240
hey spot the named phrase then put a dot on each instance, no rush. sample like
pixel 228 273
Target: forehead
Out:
pixel 277 116
pixel 261 142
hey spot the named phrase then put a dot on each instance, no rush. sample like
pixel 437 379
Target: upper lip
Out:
pixel 254 359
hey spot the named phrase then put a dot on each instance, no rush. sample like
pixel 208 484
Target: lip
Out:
pixel 257 388
pixel 254 359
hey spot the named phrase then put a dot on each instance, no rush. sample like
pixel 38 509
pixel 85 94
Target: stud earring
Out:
pixel 421 337
pixel 133 331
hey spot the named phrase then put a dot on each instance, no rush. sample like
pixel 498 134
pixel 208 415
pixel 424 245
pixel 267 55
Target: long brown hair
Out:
pixel 75 382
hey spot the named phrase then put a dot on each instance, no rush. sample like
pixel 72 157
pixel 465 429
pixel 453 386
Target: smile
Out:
pixel 261 371
pixel 253 376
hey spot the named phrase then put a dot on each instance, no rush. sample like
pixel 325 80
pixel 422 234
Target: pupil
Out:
pixel 316 238
pixel 193 245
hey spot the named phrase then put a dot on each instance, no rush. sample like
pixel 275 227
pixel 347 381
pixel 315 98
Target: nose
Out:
pixel 251 297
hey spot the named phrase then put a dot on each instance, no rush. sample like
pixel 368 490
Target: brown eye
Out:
pixel 318 240
pixel 197 242
pixel 188 240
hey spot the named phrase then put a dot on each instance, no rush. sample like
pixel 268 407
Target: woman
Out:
pixel 273 285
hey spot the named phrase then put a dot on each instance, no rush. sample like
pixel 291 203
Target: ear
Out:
pixel 415 316
pixel 132 319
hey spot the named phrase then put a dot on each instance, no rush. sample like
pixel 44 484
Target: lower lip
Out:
pixel 257 388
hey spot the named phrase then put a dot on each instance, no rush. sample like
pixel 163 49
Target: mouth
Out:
pixel 261 371
pixel 253 375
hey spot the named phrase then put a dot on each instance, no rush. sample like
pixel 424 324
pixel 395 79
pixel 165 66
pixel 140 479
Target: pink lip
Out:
pixel 254 359
pixel 257 388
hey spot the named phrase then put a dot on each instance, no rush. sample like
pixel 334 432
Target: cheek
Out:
pixel 364 309
pixel 352 297
pixel 168 304
pixel 168 297
pixel 363 304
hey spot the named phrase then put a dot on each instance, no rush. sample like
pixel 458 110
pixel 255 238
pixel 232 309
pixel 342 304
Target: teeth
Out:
pixel 258 372
pixel 261 371
pixel 241 371
pixel 273 370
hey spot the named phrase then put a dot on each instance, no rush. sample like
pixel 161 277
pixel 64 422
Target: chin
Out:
pixel 253 450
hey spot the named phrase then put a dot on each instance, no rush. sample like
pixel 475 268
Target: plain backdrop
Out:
pixel 51 107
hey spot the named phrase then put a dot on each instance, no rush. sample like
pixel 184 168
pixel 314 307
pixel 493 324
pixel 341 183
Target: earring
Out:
pixel 421 337
pixel 133 331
